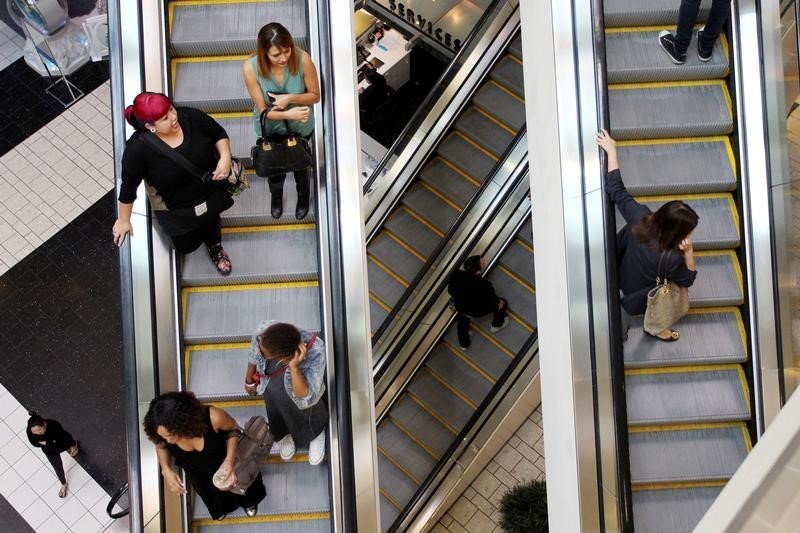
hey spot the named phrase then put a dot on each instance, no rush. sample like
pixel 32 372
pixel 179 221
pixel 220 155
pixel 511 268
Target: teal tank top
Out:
pixel 292 84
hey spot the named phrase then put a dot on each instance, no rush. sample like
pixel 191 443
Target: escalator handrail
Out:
pixel 444 241
pixel 422 110
pixel 497 390
pixel 617 363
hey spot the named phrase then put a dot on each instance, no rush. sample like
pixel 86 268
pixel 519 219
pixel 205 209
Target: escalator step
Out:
pixel 430 207
pixel 718 228
pixel 439 400
pixel 377 314
pixel 671 510
pixel 209 84
pixel 395 483
pixel 484 131
pixel 501 103
pixel 635 56
pixel 519 259
pixel 725 326
pixel 466 156
pixel 525 233
pixel 412 232
pixel 253 525
pixel 291 488
pixel 458 373
pixel 672 109
pixel 252 207
pixel 400 447
pixel 521 300
pixel 711 453
pixel 392 254
pixel 686 395
pixel 515 48
pixel 508 73
pixel 230 28
pixel 209 371
pixel 382 284
pixel 266 254
pixel 389 513
pixel 457 187
pixel 482 351
pixel 704 165
pixel 241 133
pixel 718 282
pixel 422 424
pixel 646 12
pixel 296 303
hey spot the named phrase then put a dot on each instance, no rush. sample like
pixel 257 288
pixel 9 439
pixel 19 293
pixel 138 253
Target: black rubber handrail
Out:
pixel 444 241
pixel 624 495
pixel 422 110
pixel 500 386
pixel 122 491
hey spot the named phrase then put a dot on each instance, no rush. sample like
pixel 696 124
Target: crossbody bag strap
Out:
pixel 152 140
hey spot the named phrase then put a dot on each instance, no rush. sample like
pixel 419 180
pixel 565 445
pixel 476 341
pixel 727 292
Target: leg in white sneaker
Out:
pixel 287 448
pixel 316 449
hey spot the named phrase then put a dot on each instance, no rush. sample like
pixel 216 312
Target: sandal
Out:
pixel 73 450
pixel 220 259
pixel 673 336
pixel 62 492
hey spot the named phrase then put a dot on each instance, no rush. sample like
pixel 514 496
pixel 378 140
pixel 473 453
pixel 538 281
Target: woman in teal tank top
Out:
pixel 282 79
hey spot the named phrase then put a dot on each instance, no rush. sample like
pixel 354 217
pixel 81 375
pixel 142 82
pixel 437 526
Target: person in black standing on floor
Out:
pixel 474 296
pixel 676 45
pixel 53 440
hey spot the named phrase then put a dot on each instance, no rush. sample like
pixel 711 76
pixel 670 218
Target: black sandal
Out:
pixel 673 336
pixel 220 259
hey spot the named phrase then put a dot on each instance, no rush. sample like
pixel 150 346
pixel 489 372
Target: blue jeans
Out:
pixel 687 17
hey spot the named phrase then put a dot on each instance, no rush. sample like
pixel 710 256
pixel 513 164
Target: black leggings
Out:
pixel 58 466
pixel 208 234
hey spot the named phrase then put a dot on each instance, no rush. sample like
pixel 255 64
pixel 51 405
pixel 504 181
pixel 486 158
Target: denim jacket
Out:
pixel 312 368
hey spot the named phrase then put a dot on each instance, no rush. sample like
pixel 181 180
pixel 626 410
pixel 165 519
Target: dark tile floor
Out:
pixel 61 339
pixel 24 105
pixel 10 520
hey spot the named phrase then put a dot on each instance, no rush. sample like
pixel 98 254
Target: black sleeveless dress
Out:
pixel 200 468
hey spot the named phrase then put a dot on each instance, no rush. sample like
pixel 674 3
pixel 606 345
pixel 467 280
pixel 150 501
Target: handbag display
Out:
pixel 666 303
pixel 254 445
pixel 273 156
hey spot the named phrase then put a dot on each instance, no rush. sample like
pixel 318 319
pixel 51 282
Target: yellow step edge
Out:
pixel 425 408
pixel 397 465
pixel 515 58
pixel 226 404
pixel 524 244
pixel 506 90
pixel 458 171
pixel 678 485
pixel 261 519
pixel 521 321
pixel 665 84
pixel 221 346
pixel 682 369
pixel 469 362
pixel 685 427
pixel 495 120
pixel 218 2
pixel 513 275
pixel 391 273
pixel 276 459
pixel 441 196
pixel 460 395
pixel 252 287
pixel 232 114
pixel 477 146
pixel 383 305
pixel 268 228
pixel 211 59
pixel 422 221
pixel 391 500
pixel 687 140
pixel 489 337
pixel 416 441
pixel 403 245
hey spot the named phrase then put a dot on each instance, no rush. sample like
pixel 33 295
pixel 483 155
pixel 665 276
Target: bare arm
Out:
pixel 223 169
pixel 299 384
pixel 250 385
pixel 222 421
pixel 122 227
pixel 171 478
pixel 608 144
pixel 251 82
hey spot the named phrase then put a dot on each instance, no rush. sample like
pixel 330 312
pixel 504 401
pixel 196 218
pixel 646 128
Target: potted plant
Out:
pixel 523 508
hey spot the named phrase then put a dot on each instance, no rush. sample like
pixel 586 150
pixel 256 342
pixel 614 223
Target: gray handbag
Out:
pixel 666 303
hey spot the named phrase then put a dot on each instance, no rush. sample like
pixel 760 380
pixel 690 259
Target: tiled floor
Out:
pixel 11 44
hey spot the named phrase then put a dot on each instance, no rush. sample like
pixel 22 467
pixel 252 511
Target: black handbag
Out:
pixel 182 220
pixel 273 156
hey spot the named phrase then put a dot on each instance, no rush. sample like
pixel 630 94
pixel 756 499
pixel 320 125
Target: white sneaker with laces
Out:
pixel 287 448
pixel 316 449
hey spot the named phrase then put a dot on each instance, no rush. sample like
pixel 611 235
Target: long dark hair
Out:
pixel 180 413
pixel 274 34
pixel 667 227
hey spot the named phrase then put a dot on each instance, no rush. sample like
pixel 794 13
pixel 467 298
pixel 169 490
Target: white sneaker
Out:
pixel 316 449
pixel 495 329
pixel 287 448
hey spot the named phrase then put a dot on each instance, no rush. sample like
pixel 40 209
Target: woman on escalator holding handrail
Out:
pixel 282 81
pixel 651 246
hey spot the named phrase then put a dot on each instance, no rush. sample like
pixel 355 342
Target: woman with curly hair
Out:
pixel 201 439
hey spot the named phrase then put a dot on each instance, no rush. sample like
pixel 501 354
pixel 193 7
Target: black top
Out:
pixel 54 440
pixel 472 295
pixel 176 186
pixel 638 261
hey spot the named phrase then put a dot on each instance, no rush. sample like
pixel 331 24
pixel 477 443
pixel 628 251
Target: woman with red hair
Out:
pixel 186 204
